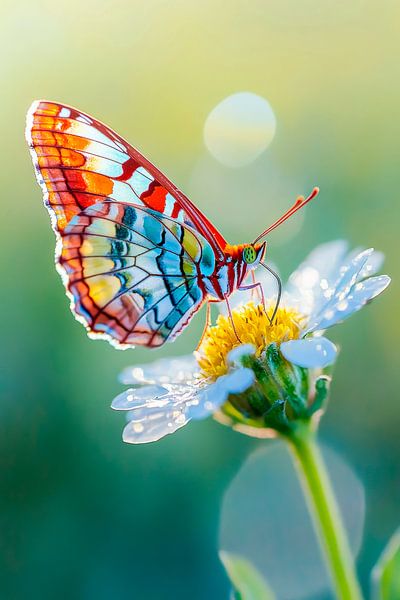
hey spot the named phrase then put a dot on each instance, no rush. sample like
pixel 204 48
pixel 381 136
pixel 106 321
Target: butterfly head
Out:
pixel 252 254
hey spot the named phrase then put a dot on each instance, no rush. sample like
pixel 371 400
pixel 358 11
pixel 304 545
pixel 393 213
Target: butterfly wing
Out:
pixel 80 161
pixel 131 248
pixel 133 275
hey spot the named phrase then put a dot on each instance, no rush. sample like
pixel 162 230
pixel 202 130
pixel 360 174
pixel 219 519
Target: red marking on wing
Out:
pixel 128 169
pixel 175 211
pixel 154 197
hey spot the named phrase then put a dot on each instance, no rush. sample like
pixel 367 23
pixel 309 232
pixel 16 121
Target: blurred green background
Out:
pixel 83 515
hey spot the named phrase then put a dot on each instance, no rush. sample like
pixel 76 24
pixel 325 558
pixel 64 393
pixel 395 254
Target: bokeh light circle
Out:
pixel 265 520
pixel 239 129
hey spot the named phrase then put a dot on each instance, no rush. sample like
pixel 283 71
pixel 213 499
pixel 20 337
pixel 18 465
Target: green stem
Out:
pixel 324 511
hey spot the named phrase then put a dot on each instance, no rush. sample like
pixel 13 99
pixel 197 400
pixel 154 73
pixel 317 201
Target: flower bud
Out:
pixel 282 393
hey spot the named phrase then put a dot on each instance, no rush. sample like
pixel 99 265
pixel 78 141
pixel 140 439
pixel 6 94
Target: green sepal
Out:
pixel 322 386
pixel 291 380
pixel 234 413
pixel 247 582
pixel 386 573
pixel 251 403
pixel 276 417
pixel 270 391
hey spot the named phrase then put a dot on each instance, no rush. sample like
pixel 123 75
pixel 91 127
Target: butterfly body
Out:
pixel 138 259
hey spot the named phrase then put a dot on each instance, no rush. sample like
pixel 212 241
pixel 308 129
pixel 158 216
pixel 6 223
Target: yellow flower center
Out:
pixel 252 327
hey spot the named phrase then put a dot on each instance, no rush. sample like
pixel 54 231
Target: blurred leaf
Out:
pixel 247 581
pixel 386 574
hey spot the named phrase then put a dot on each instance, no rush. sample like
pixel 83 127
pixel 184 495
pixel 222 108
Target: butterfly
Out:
pixel 138 259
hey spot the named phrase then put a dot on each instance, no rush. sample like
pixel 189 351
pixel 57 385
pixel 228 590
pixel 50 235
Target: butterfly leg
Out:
pixel 207 324
pixel 231 319
pixel 253 278
pixel 253 286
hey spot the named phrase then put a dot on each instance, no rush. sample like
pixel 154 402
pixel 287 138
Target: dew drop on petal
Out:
pixel 137 427
pixel 342 306
pixel 239 129
pixel 324 285
pixel 180 419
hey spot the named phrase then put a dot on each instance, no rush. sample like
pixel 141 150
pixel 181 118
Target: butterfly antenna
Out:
pixel 278 298
pixel 300 202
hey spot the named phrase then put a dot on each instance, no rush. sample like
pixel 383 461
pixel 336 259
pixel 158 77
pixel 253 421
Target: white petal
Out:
pixel 165 370
pixel 211 397
pixel 326 257
pixel 309 353
pixel 361 293
pixel 238 381
pixel 139 397
pixel 235 355
pixel 153 426
pixel 160 416
pixel 348 275
pixel 208 400
pixel 373 264
pixel 310 285
pixel 152 417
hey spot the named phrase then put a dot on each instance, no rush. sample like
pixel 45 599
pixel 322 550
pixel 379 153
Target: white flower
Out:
pixel 327 287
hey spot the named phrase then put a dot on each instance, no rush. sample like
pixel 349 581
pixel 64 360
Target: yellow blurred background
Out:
pixel 82 514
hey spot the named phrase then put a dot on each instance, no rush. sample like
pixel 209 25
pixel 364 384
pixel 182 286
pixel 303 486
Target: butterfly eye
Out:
pixel 249 254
